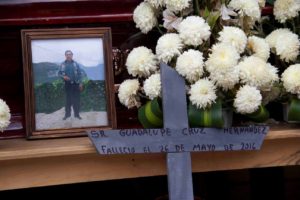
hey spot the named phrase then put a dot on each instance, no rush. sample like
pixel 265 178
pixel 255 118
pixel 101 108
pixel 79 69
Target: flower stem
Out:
pixel 196 7
pixel 294 26
pixel 159 30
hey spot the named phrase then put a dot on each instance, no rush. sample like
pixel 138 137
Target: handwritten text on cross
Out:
pixel 127 141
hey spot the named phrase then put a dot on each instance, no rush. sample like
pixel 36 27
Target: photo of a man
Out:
pixel 72 75
pixel 69 83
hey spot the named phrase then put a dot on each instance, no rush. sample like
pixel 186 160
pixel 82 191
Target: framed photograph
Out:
pixel 68 81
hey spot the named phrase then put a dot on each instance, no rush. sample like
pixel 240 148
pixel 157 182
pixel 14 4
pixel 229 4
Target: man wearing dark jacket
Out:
pixel 72 75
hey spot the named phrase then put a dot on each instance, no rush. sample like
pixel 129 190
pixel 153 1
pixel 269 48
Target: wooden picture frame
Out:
pixel 57 64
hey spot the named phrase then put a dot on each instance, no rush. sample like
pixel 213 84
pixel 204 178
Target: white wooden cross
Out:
pixel 176 138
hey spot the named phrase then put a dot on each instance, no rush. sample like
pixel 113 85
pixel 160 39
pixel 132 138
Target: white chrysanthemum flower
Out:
pixel 248 8
pixel 128 93
pixel 221 65
pixel 287 47
pixel 203 93
pixel 274 35
pixel 144 17
pixel 291 79
pixel 247 100
pixel 155 3
pixel 233 36
pixel 226 80
pixel 177 5
pixel 284 43
pixel 193 30
pixel 141 62
pixel 286 9
pixel 190 65
pixel 256 72
pixel 222 58
pixel 4 115
pixel 259 47
pixel 168 46
pixel 152 86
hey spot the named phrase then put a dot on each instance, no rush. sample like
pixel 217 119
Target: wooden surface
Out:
pixel 26 164
pixel 33 12
pixel 59 161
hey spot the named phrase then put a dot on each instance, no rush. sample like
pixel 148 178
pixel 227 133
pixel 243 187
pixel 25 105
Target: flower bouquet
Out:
pixel 284 44
pixel 219 48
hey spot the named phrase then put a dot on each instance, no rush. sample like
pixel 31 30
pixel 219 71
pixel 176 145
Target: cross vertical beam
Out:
pixel 180 182
pixel 176 134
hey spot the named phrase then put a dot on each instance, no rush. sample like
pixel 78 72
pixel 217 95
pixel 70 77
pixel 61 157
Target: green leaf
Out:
pixel 211 117
pixel 261 115
pixel 206 13
pixel 212 19
pixel 150 114
pixel 294 110
pixel 271 2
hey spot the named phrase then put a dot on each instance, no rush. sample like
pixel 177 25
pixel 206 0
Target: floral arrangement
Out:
pixel 284 43
pixel 4 115
pixel 225 49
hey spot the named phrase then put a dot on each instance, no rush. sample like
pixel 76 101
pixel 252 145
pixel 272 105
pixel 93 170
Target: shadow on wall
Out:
pixel 280 183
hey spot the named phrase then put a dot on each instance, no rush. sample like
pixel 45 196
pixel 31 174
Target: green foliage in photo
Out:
pixel 50 96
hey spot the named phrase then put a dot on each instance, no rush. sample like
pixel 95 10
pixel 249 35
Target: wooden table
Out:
pixel 25 164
